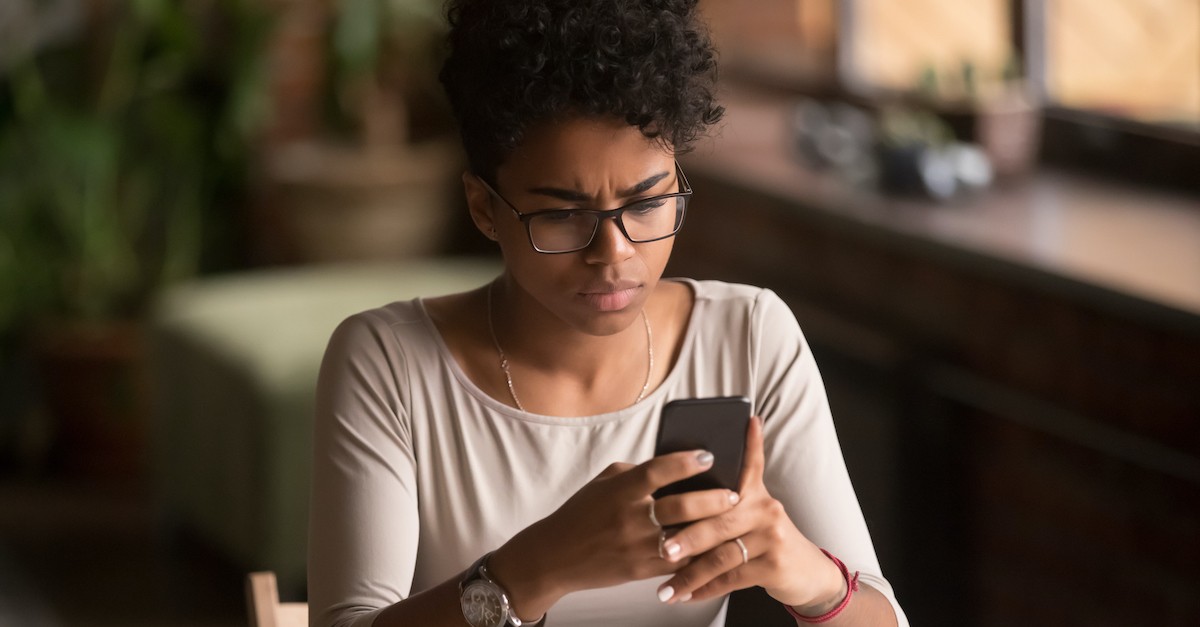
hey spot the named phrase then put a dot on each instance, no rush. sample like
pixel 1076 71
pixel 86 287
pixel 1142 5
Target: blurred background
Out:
pixel 985 215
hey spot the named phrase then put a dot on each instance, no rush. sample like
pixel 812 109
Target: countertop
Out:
pixel 1125 247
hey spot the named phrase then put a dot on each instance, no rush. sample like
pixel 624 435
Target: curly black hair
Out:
pixel 516 63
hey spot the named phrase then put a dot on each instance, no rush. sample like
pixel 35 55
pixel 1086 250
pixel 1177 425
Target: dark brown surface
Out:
pixel 89 555
pixel 1013 375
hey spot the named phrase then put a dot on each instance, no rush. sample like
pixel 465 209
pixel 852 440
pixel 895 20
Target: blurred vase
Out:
pixel 95 394
pixel 1008 129
pixel 329 202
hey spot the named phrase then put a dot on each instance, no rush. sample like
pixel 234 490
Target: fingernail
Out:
pixel 704 458
pixel 665 593
pixel 734 497
pixel 685 598
pixel 672 548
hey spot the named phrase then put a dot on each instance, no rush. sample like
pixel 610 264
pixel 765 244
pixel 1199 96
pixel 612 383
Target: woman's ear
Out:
pixel 479 203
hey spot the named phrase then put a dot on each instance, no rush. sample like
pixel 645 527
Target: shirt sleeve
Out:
pixel 805 470
pixel 363 523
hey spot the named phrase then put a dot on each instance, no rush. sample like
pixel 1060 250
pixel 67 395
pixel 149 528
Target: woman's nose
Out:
pixel 609 245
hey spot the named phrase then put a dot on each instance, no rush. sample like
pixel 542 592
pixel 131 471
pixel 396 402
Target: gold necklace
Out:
pixel 508 375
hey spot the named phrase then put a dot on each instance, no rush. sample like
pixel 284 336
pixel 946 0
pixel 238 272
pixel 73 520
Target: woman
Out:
pixel 484 458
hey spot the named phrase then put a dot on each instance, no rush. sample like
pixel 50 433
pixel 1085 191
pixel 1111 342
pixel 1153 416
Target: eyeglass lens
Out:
pixel 652 219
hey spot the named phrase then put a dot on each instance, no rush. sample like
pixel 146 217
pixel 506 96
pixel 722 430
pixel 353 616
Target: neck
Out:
pixel 560 389
pixel 530 334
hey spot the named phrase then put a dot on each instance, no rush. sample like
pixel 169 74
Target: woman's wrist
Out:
pixel 825 603
pixel 814 613
pixel 832 588
pixel 531 591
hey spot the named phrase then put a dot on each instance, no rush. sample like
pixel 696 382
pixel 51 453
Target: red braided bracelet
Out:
pixel 851 588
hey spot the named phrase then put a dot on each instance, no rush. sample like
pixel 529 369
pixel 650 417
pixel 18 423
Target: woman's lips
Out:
pixel 610 300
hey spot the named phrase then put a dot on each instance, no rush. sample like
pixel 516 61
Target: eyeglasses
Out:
pixel 568 230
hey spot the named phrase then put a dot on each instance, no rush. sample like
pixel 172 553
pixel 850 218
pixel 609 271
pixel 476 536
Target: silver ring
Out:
pixel 653 518
pixel 742 546
pixel 662 538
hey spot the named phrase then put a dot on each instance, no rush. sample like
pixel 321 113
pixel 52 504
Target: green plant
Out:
pixel 901 127
pixel 384 53
pixel 120 150
pixel 970 83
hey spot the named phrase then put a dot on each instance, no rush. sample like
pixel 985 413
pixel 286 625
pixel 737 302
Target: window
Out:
pixel 947 48
pixel 1138 59
pixel 1118 81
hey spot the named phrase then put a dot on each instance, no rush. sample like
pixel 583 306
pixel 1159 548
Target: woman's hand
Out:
pixel 604 535
pixel 777 556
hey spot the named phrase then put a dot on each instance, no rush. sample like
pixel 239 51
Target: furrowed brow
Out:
pixel 644 186
pixel 571 195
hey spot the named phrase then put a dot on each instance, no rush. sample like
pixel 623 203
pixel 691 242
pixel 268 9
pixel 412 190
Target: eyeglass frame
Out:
pixel 617 215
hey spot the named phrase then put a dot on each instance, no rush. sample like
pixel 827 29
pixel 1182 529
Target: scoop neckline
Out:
pixel 580 421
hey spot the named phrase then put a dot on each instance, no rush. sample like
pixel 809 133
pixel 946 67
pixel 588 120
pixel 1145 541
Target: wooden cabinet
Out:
pixel 1026 449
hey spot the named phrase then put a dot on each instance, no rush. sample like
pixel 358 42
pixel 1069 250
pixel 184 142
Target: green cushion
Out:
pixel 235 363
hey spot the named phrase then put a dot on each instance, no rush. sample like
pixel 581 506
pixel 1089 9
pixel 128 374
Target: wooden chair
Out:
pixel 262 600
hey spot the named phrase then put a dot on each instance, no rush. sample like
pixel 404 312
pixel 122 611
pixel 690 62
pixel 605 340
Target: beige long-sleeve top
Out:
pixel 417 472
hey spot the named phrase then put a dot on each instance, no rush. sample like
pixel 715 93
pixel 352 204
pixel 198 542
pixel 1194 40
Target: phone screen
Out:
pixel 717 425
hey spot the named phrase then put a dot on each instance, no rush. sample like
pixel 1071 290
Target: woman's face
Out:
pixel 592 163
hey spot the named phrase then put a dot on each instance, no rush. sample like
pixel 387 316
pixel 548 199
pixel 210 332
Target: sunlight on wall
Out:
pixel 1139 59
pixel 895 42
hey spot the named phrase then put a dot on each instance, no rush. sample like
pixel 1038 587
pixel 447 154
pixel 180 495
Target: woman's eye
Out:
pixel 556 216
pixel 648 205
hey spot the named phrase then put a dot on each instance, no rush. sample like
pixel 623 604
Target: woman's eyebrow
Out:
pixel 644 186
pixel 577 196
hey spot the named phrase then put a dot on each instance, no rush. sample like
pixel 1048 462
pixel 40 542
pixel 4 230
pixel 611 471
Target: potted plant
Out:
pixel 119 146
pixel 994 110
pixel 376 182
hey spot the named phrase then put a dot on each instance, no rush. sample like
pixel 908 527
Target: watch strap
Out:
pixel 479 570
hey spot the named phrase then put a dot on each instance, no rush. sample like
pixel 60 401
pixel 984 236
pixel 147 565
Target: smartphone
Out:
pixel 717 425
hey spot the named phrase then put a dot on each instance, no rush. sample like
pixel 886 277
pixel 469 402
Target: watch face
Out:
pixel 483 605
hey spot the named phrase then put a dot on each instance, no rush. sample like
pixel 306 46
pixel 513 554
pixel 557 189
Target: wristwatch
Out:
pixel 484 602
